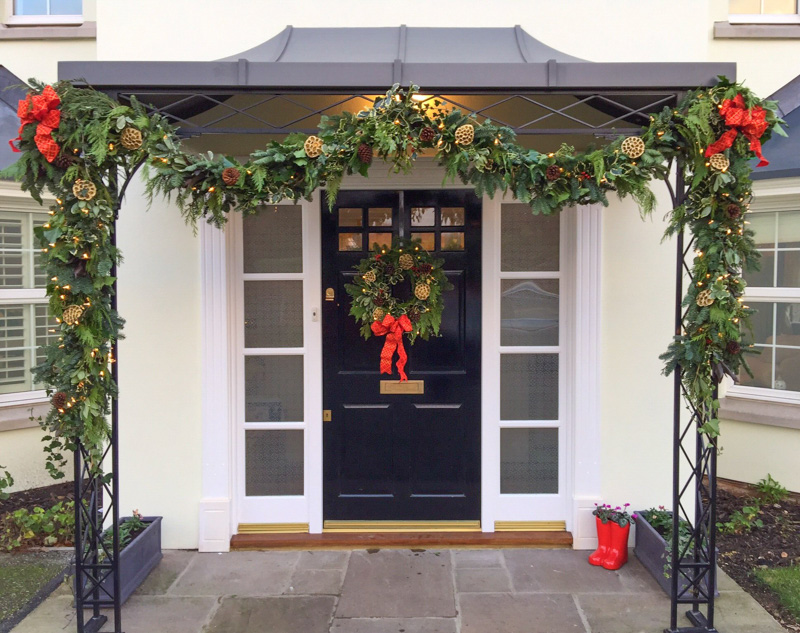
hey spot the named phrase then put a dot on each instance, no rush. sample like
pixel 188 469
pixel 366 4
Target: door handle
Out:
pixel 330 294
pixel 326 415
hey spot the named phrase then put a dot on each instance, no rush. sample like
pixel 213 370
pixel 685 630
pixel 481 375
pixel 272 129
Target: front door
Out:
pixel 396 457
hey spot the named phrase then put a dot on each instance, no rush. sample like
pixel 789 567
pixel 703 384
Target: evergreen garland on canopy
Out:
pixel 83 147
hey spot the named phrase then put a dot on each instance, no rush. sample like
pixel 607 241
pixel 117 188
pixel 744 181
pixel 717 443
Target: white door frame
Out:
pixel 579 399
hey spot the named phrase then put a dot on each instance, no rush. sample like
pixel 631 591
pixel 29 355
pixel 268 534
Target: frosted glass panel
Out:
pixel 350 241
pixel 452 241
pixel 273 240
pixel 273 463
pixel 529 312
pixel 528 242
pixel 273 313
pixel 382 239
pixel 428 240
pixel 423 216
pixel 350 217
pixel 273 389
pixel 379 216
pixel 529 461
pixel 452 216
pixel 529 387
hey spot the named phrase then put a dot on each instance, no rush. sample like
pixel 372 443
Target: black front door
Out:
pixel 402 456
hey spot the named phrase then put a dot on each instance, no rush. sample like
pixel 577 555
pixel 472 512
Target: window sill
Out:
pixel 756 411
pixel 85 31
pixel 726 30
pixel 16 416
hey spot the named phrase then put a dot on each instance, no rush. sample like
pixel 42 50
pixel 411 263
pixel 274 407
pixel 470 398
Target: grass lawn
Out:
pixel 24 580
pixel 784 581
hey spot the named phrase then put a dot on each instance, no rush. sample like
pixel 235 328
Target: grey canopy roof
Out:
pixel 375 58
pixel 783 153
pixel 11 92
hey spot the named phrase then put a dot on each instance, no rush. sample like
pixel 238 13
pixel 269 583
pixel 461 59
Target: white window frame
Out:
pixel 766 18
pixel 12 19
pixel 12 199
pixel 771 196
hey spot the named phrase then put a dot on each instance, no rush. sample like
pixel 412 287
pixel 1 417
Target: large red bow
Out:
pixel 44 109
pixel 752 123
pixel 394 330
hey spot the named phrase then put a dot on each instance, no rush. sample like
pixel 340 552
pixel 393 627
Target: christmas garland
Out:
pixel 409 266
pixel 83 147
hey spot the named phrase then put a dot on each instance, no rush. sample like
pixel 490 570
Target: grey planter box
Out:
pixel 136 561
pixel 651 550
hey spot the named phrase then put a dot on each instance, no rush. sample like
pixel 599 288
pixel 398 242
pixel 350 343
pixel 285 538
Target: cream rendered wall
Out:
pixel 21 455
pixel 160 414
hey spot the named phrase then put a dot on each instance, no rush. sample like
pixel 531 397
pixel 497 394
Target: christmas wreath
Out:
pixel 417 308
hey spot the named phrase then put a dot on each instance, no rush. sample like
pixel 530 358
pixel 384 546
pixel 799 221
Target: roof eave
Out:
pixel 372 76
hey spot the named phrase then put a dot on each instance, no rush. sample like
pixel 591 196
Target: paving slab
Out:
pixel 145 614
pixel 394 625
pixel 287 614
pixel 477 558
pixel 648 613
pixel 397 584
pixel 568 571
pixel 237 573
pixel 518 613
pixel 323 560
pixel 316 581
pixel 172 565
pixel 738 611
pixel 491 579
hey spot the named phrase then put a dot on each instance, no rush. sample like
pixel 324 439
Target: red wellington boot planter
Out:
pixel 617 554
pixel 603 532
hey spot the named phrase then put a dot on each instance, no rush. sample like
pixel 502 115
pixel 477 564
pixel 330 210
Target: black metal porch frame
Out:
pixel 97 494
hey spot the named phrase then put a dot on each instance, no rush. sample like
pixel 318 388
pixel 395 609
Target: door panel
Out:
pixel 402 456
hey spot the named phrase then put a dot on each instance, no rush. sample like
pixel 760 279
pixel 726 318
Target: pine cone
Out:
pixel 733 210
pixel 59 400
pixel 230 176
pixel 734 347
pixel 427 135
pixel 388 270
pixel 380 300
pixel 553 172
pixel 365 154
pixel 414 315
pixel 425 269
pixel 64 161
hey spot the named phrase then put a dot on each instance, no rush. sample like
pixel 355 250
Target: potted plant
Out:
pixel 613 527
pixel 140 552
pixel 653 546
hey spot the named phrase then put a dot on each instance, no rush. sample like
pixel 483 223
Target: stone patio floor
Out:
pixel 399 591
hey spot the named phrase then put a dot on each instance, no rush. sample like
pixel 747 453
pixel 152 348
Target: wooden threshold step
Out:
pixel 403 540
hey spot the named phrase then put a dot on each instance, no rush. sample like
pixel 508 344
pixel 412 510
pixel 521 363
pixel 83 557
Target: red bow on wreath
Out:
pixel 44 109
pixel 752 123
pixel 394 330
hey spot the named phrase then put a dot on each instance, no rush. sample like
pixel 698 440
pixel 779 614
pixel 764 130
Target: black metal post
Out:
pixel 693 564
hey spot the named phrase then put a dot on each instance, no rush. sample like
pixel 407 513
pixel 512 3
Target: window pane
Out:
pixel 273 241
pixel 452 241
pixel 529 461
pixel 382 239
pixel 765 277
pixel 46 331
pixel 529 387
pixel 11 251
pixel 350 241
pixel 789 229
pixel 30 7
pixel 428 240
pixel 787 367
pixel 16 348
pixel 780 6
pixel 762 322
pixel 273 463
pixel 379 217
pixel 789 269
pixel 273 388
pixel 528 242
pixel 744 6
pixel 763 225
pixel 529 312
pixel 761 366
pixel 350 217
pixel 452 216
pixel 66 7
pixel 273 314
pixel 423 216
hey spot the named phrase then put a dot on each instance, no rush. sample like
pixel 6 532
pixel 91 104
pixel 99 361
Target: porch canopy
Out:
pixel 285 84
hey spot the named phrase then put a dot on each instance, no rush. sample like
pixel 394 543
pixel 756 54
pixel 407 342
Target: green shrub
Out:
pixel 770 491
pixel 38 526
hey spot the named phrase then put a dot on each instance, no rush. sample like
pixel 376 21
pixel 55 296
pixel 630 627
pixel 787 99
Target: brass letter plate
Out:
pixel 407 387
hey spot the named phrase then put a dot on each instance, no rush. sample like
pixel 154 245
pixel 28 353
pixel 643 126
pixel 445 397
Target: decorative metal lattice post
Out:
pixel 693 562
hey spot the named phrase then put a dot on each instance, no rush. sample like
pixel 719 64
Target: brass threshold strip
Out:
pixel 334 527
pixel 530 526
pixel 273 528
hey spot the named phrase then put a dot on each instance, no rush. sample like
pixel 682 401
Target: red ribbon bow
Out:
pixel 752 123
pixel 44 109
pixel 394 330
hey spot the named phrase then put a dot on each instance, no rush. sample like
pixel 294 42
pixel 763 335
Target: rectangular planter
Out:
pixel 651 550
pixel 136 561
